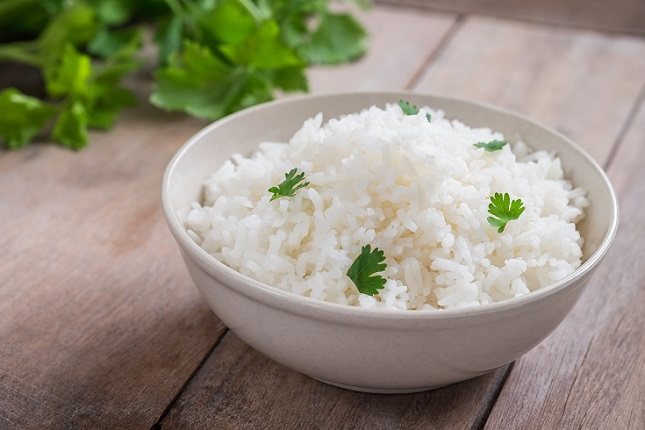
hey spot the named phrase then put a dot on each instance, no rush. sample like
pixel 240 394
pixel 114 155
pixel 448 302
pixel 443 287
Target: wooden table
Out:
pixel 101 327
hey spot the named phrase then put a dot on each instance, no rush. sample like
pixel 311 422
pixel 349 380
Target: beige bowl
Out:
pixel 379 350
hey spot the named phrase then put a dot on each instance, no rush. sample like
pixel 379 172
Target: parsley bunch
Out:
pixel 214 57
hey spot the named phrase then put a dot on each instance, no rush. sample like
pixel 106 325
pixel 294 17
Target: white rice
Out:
pixel 418 190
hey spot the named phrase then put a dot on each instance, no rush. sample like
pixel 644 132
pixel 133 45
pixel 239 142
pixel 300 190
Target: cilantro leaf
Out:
pixel 197 82
pixel 291 79
pixel 70 75
pixel 408 108
pixel 262 49
pixel 503 210
pixel 106 42
pixel 200 83
pixel 108 103
pixel 337 39
pixel 288 187
pixel 70 129
pixel 215 56
pixel 114 12
pixel 168 37
pixel 22 117
pixel 75 25
pixel 493 145
pixel 229 22
pixel 364 269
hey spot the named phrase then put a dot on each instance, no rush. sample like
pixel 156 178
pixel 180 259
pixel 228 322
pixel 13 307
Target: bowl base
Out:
pixel 375 390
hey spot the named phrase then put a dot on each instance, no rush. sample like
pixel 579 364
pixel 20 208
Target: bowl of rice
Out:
pixel 388 241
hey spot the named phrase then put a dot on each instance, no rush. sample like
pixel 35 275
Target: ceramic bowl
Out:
pixel 383 351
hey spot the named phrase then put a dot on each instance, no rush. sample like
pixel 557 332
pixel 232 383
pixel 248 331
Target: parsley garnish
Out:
pixel 410 109
pixel 503 210
pixel 363 271
pixel 494 145
pixel 289 186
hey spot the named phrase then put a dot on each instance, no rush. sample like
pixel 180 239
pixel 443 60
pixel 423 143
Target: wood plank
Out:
pixel 581 83
pixel 99 321
pixel 616 15
pixel 397 32
pixel 590 373
pixel 239 388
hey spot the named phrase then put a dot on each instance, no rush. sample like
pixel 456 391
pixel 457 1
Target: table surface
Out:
pixel 101 327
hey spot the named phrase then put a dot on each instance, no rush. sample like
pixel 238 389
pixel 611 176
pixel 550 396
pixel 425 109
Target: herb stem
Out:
pixel 14 52
pixel 255 12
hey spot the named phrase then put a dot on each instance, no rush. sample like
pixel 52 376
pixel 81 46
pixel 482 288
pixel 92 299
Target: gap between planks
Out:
pixel 435 54
pixel 625 128
pixel 528 18
pixel 169 406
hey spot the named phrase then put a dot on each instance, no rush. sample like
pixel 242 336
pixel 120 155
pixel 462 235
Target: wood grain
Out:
pixel 615 15
pixel 399 33
pixel 239 388
pixel 99 322
pixel 581 83
pixel 590 373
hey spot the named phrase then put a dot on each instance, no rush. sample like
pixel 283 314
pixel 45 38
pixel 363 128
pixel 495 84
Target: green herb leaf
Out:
pixel 494 145
pixel 22 117
pixel 168 37
pixel 196 82
pixel 364 269
pixel 70 129
pixel 75 25
pixel 337 39
pixel 287 188
pixel 503 210
pixel 262 49
pixel 215 56
pixel 107 42
pixel 70 75
pixel 408 108
pixel 229 22
pixel 109 101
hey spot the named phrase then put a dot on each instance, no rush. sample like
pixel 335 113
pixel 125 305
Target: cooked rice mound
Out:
pixel 416 189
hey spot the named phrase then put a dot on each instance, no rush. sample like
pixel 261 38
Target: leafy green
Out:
pixel 238 63
pixel 287 188
pixel 503 210
pixel 337 39
pixel 410 109
pixel 109 42
pixel 214 56
pixel 22 117
pixel 493 145
pixel 71 127
pixel 168 37
pixel 364 269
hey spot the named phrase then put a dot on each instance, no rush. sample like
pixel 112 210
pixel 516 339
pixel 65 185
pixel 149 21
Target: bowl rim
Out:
pixel 286 300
